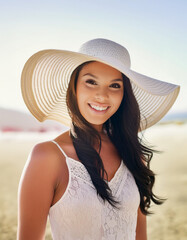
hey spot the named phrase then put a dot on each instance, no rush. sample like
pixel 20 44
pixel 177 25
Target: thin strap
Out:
pixel 60 148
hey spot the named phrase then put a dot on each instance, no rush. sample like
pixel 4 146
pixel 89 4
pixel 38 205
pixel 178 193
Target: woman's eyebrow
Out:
pixel 92 75
pixel 117 80
pixel 89 74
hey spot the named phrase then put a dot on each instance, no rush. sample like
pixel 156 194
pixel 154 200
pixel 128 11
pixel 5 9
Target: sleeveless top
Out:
pixel 81 214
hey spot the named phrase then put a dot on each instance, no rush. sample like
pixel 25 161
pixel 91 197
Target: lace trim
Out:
pixel 79 170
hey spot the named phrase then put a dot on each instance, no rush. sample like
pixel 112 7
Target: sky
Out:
pixel 154 32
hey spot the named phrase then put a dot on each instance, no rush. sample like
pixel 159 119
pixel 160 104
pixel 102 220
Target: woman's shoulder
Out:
pixel 49 150
pixel 44 153
pixel 47 158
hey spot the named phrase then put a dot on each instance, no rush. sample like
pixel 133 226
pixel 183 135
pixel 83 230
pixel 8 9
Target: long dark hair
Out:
pixel 135 154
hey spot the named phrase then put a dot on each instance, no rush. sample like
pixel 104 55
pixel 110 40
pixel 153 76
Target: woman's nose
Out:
pixel 101 94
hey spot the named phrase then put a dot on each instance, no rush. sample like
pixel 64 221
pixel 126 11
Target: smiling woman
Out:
pixel 94 181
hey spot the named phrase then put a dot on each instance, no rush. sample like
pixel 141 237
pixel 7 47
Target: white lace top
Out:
pixel 81 214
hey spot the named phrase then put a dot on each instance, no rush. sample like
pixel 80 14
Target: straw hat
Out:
pixel 47 73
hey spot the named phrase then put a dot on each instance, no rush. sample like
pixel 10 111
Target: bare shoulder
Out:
pixel 42 165
pixel 47 152
pixel 44 151
pixel 46 162
pixel 44 154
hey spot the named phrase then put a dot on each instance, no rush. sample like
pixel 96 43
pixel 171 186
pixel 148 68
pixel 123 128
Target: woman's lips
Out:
pixel 98 110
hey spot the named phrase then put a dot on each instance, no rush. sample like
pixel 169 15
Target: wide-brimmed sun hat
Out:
pixel 46 76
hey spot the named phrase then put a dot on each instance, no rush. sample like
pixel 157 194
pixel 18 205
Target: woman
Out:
pixel 94 180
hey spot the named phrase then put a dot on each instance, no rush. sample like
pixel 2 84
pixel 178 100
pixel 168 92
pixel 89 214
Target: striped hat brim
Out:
pixel 46 76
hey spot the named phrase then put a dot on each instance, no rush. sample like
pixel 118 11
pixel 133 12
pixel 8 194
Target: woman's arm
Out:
pixel 36 190
pixel 141 229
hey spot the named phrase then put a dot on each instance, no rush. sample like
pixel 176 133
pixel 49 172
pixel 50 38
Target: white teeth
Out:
pixel 98 108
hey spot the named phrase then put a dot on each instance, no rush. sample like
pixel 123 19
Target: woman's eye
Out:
pixel 90 81
pixel 116 85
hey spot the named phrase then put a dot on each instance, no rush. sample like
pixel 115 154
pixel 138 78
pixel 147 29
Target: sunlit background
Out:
pixel 155 34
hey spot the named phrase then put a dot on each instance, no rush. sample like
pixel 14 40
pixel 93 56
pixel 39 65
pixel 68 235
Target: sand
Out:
pixel 169 221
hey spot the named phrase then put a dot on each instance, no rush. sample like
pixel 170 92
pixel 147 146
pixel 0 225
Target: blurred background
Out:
pixel 155 34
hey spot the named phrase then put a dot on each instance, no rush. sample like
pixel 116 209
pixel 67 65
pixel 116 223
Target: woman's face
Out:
pixel 99 93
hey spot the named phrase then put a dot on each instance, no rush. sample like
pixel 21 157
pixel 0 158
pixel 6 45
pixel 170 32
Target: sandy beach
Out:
pixel 169 221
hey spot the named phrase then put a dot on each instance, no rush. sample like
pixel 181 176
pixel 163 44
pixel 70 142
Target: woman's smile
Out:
pixel 98 109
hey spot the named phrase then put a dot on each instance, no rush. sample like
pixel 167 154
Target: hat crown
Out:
pixel 105 50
